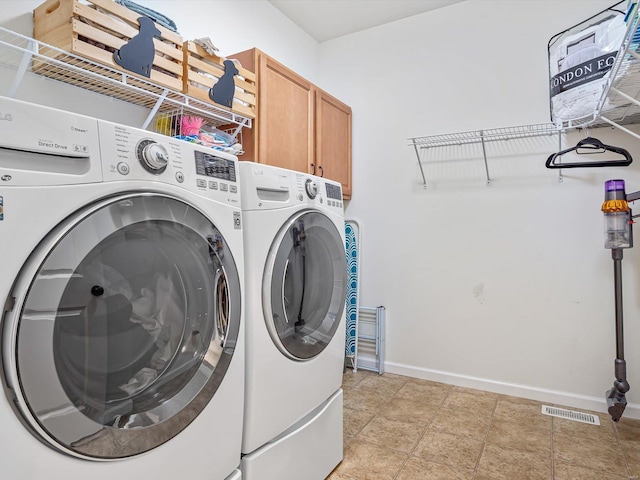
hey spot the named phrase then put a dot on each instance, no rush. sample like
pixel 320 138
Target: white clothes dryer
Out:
pixel 121 282
pixel 295 283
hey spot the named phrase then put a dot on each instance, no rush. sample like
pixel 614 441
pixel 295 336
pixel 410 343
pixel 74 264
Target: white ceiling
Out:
pixel 328 19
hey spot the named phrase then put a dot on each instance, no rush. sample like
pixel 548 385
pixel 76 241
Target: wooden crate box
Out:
pixel 93 29
pixel 202 71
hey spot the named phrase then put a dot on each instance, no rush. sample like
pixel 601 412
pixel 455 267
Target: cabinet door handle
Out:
pixel 313 169
pixel 321 170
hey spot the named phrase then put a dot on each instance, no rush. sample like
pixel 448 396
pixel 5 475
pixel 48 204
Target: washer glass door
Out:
pixel 127 327
pixel 305 285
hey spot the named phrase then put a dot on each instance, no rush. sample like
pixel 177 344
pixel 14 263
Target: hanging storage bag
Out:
pixel 580 59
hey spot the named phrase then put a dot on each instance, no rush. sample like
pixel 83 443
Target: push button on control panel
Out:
pixel 233 189
pixel 201 183
pixel 224 187
pixel 123 168
pixel 213 185
pixel 179 177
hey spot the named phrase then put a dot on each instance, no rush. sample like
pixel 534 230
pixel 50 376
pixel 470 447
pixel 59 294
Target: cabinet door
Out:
pixel 285 118
pixel 333 140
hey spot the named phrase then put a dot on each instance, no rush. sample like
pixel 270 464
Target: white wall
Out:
pixel 505 287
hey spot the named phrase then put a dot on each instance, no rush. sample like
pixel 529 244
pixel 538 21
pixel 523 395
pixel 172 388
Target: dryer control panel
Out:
pixel 319 191
pixel 334 194
pixel 266 187
pixel 334 191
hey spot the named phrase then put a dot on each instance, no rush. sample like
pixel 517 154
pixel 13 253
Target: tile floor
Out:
pixel 402 428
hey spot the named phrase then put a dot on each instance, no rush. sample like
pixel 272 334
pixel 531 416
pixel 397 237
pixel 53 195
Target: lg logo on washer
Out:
pixel 7 117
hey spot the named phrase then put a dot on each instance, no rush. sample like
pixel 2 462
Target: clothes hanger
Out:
pixel 596 146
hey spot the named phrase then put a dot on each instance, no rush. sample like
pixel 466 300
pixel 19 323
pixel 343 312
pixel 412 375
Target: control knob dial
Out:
pixel 153 156
pixel 311 187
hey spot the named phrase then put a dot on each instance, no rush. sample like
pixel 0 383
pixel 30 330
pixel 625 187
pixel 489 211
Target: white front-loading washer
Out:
pixel 295 284
pixel 121 282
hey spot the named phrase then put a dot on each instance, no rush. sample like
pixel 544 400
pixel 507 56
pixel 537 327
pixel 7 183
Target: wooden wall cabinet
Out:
pixel 298 126
pixel 333 140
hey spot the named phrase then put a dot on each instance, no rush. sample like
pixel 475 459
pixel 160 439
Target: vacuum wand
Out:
pixel 618 235
pixel 616 400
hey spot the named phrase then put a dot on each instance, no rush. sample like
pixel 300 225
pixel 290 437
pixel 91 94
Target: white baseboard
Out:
pixel 571 400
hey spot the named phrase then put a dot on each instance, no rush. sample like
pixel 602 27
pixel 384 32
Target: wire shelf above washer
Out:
pixel 29 56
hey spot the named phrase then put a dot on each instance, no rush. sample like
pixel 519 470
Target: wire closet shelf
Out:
pixel 489 135
pixel 29 56
pixel 481 137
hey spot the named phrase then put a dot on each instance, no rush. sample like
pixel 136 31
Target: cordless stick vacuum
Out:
pixel 618 235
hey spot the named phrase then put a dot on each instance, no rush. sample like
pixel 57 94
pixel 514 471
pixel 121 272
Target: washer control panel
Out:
pixel 133 154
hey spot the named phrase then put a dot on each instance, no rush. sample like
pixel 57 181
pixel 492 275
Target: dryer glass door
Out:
pixel 305 285
pixel 127 327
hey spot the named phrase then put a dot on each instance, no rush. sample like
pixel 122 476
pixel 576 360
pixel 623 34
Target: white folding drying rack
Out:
pixel 371 339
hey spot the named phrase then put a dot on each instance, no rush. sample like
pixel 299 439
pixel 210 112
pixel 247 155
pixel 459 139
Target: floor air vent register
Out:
pixel 571 415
